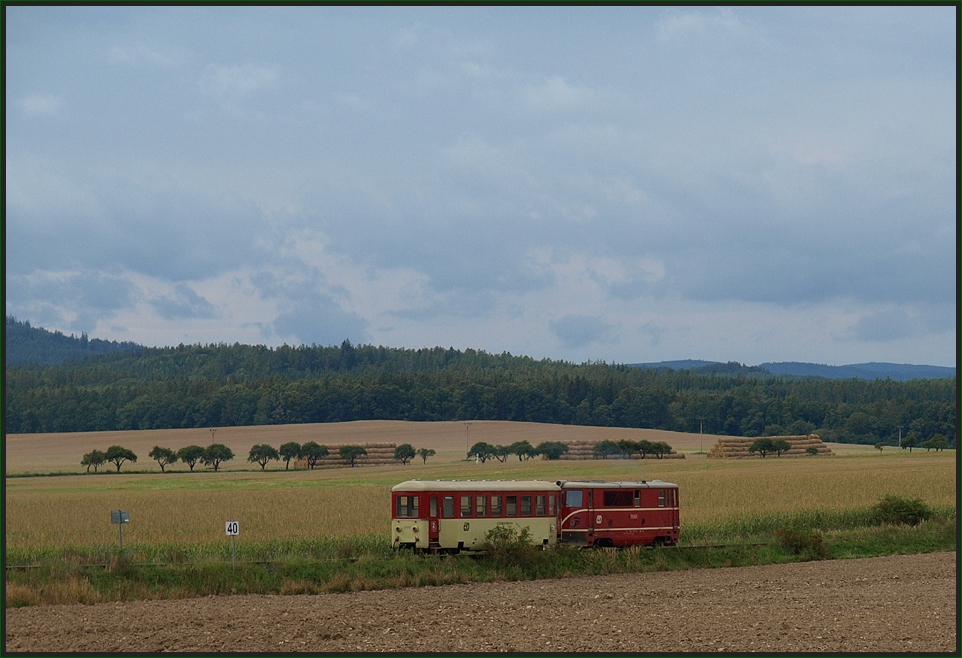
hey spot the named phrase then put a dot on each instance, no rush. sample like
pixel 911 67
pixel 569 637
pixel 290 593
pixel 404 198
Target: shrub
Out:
pixel 505 544
pixel 809 546
pixel 895 510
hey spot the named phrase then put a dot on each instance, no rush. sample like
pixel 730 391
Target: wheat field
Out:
pixel 56 512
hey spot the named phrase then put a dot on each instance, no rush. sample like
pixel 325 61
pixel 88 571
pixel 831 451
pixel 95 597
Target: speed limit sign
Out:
pixel 233 528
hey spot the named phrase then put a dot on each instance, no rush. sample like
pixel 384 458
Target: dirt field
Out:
pixel 38 453
pixel 878 605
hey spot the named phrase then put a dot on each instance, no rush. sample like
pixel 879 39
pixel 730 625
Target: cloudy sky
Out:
pixel 621 184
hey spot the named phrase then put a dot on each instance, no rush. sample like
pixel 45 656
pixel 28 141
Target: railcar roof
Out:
pixel 597 484
pixel 475 485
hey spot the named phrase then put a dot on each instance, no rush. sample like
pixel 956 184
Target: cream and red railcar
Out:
pixel 456 515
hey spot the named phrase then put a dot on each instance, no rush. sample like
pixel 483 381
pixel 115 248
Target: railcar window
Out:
pixel 551 505
pixel 539 505
pixel 618 498
pixel 448 507
pixel 661 498
pixel 482 503
pixel 637 498
pixel 525 505
pixel 407 507
pixel 434 507
pixel 465 506
pixel 495 505
pixel 574 498
pixel 511 506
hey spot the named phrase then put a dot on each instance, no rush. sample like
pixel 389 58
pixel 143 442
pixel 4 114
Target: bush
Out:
pixel 505 544
pixel 898 510
pixel 809 546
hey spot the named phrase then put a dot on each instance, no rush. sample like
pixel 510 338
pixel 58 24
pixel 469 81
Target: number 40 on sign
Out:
pixel 233 528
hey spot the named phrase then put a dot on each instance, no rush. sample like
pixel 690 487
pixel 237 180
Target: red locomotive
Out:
pixel 457 515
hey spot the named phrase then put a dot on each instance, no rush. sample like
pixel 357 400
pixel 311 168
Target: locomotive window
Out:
pixel 618 498
pixel 407 507
pixel 574 498
pixel 637 498
pixel 448 507
pixel 434 507
pixel 495 505
pixel 511 505
pixel 465 506
pixel 482 503
pixel 539 505
pixel 525 505
pixel 661 498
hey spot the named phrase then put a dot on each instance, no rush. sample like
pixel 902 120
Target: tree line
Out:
pixel 215 454
pixel 234 385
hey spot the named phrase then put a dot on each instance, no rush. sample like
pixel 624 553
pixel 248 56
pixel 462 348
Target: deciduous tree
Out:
pixel 763 446
pixel 481 451
pixel 424 453
pixel 118 455
pixel 215 454
pixel 190 455
pixel 311 451
pixel 93 458
pixel 289 451
pixel 163 456
pixel 351 453
pixel 552 449
pixel 404 453
pixel 263 453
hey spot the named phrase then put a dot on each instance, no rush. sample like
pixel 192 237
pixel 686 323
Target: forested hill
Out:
pixel 25 344
pixel 224 385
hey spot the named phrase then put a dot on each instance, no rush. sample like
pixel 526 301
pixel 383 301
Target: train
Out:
pixel 455 516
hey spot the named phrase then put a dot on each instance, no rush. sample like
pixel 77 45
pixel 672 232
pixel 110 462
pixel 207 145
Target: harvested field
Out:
pixel 46 453
pixel 900 604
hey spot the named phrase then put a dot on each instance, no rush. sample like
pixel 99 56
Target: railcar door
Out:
pixel 574 521
pixel 433 541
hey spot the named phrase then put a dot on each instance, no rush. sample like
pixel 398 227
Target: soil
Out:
pixel 888 604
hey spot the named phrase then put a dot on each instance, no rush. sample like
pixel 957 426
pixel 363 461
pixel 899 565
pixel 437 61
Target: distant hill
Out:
pixel 24 344
pixel 870 371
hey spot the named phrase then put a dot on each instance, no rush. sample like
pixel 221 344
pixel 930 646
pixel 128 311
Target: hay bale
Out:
pixel 737 447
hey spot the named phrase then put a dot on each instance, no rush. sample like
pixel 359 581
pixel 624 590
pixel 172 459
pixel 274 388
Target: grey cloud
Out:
pixel 185 303
pixel 885 326
pixel 175 235
pixel 315 318
pixel 576 331
pixel 87 297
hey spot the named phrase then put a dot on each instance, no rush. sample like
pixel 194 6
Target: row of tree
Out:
pixel 234 385
pixel 627 448
pixel 217 453
pixel 483 451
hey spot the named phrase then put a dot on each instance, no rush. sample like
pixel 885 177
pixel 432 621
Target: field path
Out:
pixel 878 605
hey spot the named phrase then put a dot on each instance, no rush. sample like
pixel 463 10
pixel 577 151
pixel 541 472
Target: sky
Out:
pixel 619 184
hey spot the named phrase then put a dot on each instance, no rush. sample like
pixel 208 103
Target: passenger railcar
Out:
pixel 456 515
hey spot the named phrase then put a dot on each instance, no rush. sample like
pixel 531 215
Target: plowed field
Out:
pixel 888 604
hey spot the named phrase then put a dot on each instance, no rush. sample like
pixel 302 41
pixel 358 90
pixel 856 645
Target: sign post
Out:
pixel 233 529
pixel 120 517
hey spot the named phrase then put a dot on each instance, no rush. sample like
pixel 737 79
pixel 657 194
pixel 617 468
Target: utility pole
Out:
pixel 212 430
pixel 467 427
pixel 701 436
pixel 900 437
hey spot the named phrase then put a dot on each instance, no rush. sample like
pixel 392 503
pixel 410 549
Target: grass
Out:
pixel 322 567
